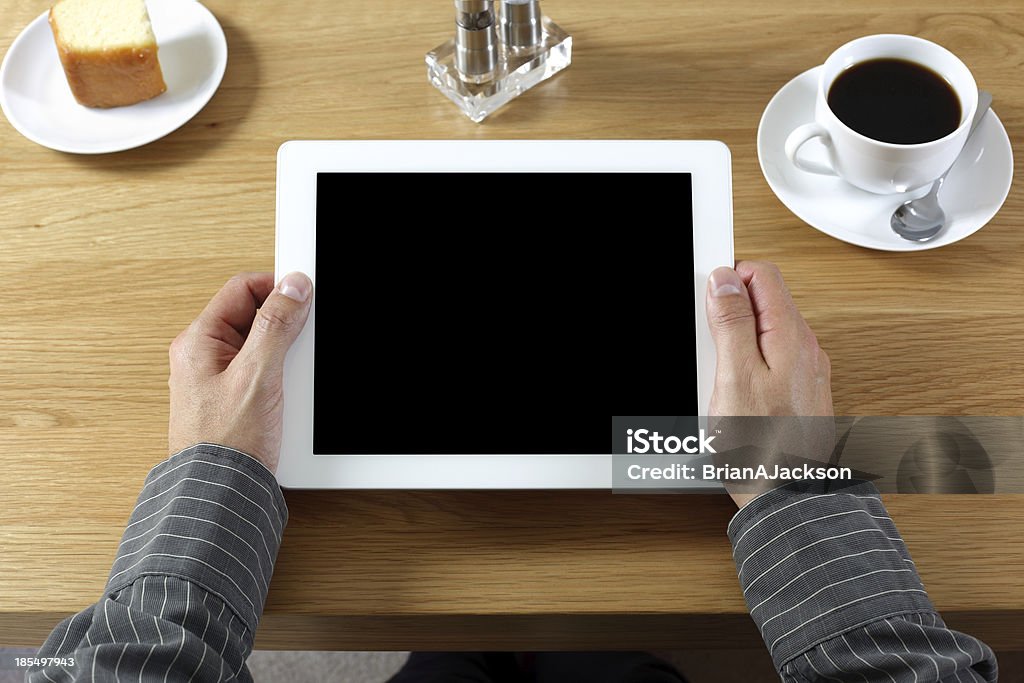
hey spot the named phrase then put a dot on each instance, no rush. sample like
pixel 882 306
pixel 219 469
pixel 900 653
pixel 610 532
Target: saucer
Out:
pixel 973 192
pixel 35 97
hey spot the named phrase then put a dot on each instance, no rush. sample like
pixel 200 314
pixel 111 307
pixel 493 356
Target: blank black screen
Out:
pixel 499 313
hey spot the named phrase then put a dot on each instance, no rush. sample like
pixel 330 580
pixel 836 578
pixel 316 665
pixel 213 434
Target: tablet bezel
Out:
pixel 299 162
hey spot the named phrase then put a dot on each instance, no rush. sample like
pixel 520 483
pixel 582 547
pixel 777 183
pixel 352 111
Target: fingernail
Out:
pixel 725 282
pixel 295 286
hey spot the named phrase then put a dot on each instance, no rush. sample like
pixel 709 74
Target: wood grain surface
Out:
pixel 104 259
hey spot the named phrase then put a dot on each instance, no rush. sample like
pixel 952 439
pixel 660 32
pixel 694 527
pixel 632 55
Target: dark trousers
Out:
pixel 542 667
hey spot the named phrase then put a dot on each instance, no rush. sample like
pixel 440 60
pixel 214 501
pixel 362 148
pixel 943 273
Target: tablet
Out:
pixel 482 309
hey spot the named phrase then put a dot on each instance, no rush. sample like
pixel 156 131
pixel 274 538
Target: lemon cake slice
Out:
pixel 108 51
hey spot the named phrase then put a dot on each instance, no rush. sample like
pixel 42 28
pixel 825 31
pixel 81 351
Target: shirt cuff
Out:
pixel 815 564
pixel 210 515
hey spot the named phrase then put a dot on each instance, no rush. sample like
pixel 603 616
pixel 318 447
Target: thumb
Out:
pixel 279 321
pixel 732 320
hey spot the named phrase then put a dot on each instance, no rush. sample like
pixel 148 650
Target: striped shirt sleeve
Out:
pixel 187 589
pixel 836 596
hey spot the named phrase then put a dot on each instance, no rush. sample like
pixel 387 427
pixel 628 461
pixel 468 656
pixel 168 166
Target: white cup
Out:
pixel 873 165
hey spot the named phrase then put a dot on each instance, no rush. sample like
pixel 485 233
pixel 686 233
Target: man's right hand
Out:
pixel 769 361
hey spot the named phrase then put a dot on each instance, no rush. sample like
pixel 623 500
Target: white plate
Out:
pixel 972 194
pixel 36 99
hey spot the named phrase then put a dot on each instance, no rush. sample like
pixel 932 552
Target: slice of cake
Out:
pixel 108 51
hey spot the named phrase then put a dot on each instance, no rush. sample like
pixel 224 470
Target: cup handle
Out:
pixel 802 135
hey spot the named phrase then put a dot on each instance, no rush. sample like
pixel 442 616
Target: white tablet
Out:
pixel 482 309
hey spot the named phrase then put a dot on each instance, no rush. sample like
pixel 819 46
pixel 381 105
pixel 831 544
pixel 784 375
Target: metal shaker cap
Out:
pixel 474 14
pixel 476 49
pixel 520 23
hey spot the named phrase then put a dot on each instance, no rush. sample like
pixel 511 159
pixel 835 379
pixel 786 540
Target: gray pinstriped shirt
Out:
pixel 826 576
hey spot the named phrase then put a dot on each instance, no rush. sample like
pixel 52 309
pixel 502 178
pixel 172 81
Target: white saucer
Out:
pixel 974 190
pixel 35 97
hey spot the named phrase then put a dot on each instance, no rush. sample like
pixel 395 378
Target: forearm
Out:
pixel 187 589
pixel 832 587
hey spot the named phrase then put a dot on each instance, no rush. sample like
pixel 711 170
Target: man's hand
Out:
pixel 227 366
pixel 769 361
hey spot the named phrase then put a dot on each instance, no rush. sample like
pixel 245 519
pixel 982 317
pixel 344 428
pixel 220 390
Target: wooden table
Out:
pixel 104 259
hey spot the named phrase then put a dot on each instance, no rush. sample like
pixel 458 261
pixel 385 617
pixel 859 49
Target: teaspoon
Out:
pixel 921 219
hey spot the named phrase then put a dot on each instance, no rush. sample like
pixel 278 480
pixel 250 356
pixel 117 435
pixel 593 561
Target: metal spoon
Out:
pixel 921 219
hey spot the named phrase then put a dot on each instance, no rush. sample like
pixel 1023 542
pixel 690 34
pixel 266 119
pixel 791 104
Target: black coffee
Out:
pixel 895 101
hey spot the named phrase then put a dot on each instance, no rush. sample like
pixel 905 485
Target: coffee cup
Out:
pixel 865 158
